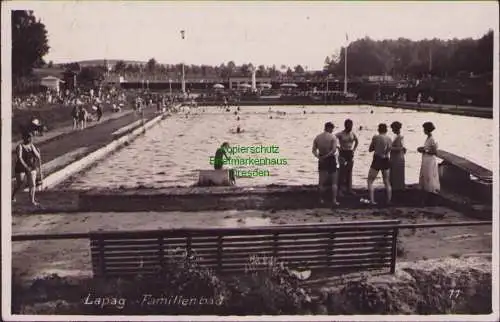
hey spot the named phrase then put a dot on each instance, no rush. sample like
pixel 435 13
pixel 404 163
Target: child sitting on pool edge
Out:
pixel 220 154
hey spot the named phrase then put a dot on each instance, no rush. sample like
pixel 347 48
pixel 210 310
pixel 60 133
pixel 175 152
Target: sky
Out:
pixel 265 33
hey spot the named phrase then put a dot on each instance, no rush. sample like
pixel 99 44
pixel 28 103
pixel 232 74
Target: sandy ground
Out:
pixel 72 257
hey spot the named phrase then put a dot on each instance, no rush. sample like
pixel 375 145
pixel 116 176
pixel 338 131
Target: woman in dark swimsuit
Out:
pixel 28 160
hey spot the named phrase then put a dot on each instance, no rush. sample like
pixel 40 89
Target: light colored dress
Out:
pixel 429 174
pixel 397 173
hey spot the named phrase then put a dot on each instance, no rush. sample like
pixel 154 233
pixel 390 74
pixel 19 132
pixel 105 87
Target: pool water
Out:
pixel 171 153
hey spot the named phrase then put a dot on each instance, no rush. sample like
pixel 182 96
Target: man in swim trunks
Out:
pixel 325 149
pixel 381 147
pixel 348 142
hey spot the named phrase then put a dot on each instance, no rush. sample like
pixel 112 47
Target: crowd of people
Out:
pixel 335 154
pixel 85 106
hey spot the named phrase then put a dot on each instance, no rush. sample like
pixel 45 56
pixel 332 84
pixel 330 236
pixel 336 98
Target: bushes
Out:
pixel 424 287
pixel 269 290
pixel 183 288
pixel 445 286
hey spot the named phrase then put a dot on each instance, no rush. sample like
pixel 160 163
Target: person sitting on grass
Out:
pixel 35 127
pixel 220 155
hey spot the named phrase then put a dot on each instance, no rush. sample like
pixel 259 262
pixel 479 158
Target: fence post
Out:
pixel 394 249
pixel 161 254
pixel 102 264
pixel 330 253
pixel 188 245
pixel 275 245
pixel 219 253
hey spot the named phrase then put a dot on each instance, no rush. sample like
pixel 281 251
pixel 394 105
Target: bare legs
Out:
pixel 324 178
pixel 334 188
pixel 387 184
pixel 31 178
pixel 372 175
pixel 19 184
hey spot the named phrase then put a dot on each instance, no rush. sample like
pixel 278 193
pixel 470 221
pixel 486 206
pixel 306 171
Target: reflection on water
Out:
pixel 170 153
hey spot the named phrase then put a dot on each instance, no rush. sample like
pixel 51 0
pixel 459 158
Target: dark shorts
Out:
pixel 328 165
pixel 379 163
pixel 347 156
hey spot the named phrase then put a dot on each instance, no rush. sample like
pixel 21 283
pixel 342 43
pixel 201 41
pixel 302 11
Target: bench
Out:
pixel 339 247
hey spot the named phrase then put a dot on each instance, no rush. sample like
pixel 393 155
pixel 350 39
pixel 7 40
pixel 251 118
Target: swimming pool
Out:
pixel 171 153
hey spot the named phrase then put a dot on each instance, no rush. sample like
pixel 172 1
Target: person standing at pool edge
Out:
pixel 398 152
pixel 348 142
pixel 325 149
pixel 381 147
pixel 429 175
pixel 28 160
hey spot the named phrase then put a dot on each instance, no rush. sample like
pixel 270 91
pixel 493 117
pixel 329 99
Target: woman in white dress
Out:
pixel 429 175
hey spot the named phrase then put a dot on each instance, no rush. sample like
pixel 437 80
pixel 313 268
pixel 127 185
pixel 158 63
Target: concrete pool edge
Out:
pixel 73 168
pixel 196 199
pixel 259 197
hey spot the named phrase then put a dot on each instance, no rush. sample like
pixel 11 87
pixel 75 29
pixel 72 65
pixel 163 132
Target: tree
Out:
pixel 326 64
pixel 231 67
pixel 273 71
pixel 204 70
pixel 120 66
pixel 245 69
pixel 299 69
pixel 50 64
pixel 151 65
pixel 416 59
pixel 74 67
pixel 91 76
pixel 261 71
pixel 29 43
pixel 289 72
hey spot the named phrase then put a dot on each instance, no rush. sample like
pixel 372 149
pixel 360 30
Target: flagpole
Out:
pixel 345 64
pixel 183 81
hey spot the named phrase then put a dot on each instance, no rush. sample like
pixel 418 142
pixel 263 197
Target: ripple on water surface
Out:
pixel 172 152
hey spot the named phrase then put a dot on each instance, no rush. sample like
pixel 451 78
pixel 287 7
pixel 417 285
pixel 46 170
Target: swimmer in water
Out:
pixel 238 129
pixel 235 113
pixel 371 112
pixel 360 127
pixel 238 118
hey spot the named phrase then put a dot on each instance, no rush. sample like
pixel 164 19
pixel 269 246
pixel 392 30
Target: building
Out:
pixel 51 82
pixel 235 81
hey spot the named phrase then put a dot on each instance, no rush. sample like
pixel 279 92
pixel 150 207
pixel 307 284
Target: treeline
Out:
pixel 415 59
pixel 401 58
pixel 222 71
